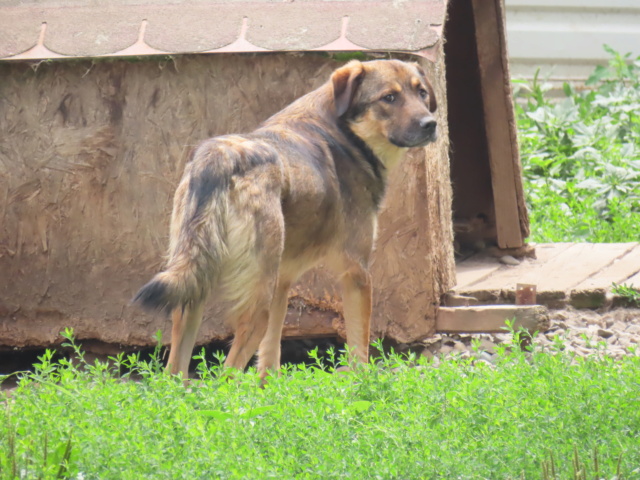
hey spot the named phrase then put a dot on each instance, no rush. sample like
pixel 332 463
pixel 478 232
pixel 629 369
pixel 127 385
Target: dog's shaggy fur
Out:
pixel 253 212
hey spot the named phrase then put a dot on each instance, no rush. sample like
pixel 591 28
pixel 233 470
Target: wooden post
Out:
pixel 499 121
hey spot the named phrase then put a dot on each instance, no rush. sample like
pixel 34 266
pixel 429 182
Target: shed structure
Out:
pixel 100 106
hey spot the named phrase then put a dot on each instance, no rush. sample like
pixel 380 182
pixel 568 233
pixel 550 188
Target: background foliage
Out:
pixel 581 155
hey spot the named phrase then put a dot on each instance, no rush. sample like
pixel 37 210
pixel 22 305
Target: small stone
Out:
pixel 487 357
pixel 604 333
pixel 633 329
pixel 583 351
pixel 619 326
pixel 460 347
pixel 624 341
pixel 616 351
pixel 487 345
pixel 509 260
pixel 594 328
pixel 427 353
pixel 579 339
pixel 543 339
pixel 591 318
pixel 446 349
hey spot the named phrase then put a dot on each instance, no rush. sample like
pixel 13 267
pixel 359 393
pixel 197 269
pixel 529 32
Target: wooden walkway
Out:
pixel 576 274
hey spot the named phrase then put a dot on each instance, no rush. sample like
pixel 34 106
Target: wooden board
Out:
pixel 491 318
pixel 498 115
pixel 619 271
pixel 564 273
pixel 573 266
pixel 475 269
pixel 633 281
pixel 507 276
pixel 306 323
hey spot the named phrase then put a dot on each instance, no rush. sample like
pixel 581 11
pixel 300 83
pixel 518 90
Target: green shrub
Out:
pixel 531 415
pixel 581 156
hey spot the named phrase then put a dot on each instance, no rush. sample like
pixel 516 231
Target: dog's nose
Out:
pixel 428 124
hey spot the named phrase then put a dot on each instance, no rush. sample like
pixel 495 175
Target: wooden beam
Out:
pixel 499 123
pixel 491 318
pixel 309 323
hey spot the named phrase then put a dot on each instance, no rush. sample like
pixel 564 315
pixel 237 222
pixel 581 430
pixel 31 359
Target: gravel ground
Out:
pixel 614 332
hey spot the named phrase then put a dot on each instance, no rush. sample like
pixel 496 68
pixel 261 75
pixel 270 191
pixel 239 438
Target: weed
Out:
pixel 581 155
pixel 400 416
pixel 37 460
pixel 630 293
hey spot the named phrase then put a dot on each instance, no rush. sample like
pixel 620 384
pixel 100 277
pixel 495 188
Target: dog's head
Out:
pixel 387 103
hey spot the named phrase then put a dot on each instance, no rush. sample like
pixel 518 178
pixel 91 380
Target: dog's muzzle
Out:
pixel 428 131
pixel 429 127
pixel 424 132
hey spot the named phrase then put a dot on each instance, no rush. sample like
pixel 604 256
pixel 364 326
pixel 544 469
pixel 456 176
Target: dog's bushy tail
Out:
pixel 198 238
pixel 184 281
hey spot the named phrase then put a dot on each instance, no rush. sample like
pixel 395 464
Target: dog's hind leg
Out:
pixel 254 317
pixel 269 352
pixel 186 323
pixel 250 329
pixel 357 305
pixel 256 241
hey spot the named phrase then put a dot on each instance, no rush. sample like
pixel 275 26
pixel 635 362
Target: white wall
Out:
pixel 565 37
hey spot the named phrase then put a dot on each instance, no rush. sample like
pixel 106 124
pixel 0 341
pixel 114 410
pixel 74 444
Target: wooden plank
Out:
pixel 309 323
pixel 633 281
pixel 508 277
pixel 491 318
pixel 475 269
pixel 501 141
pixel 573 266
pixel 620 270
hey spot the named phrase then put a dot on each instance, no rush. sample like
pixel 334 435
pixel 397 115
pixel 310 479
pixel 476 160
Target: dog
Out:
pixel 253 212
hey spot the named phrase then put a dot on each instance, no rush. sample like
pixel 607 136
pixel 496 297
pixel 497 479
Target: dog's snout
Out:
pixel 428 124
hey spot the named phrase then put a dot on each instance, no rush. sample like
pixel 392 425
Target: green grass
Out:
pixel 531 413
pixel 628 293
pixel 581 156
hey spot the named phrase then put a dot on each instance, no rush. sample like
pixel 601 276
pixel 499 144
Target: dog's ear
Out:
pixel 345 82
pixel 433 104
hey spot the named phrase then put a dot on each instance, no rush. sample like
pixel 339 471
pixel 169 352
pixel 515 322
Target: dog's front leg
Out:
pixel 356 300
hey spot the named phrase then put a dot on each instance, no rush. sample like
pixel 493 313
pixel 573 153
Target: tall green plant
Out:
pixel 581 155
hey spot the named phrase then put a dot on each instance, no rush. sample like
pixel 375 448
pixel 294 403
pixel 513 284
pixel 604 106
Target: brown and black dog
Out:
pixel 253 212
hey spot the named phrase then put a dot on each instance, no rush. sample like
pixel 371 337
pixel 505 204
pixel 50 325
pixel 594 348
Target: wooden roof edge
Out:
pixel 40 32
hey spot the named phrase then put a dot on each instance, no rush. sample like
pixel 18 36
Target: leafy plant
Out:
pixel 400 416
pixel 581 155
pixel 580 470
pixel 37 460
pixel 629 292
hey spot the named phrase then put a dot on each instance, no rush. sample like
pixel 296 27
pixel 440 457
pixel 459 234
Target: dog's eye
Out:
pixel 389 98
pixel 423 93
